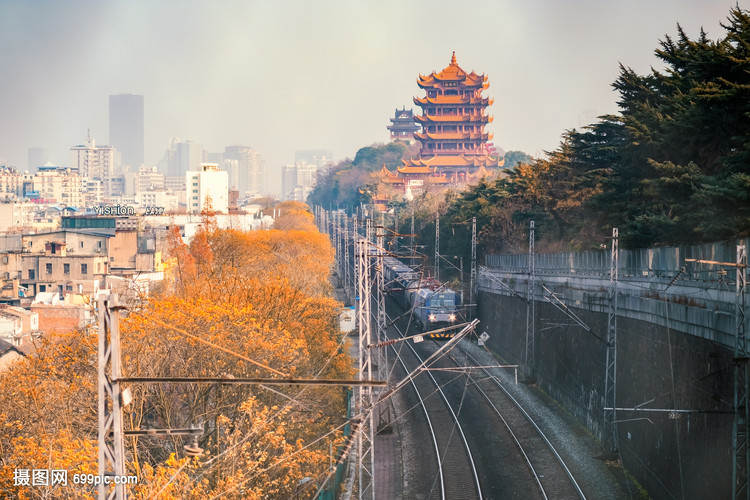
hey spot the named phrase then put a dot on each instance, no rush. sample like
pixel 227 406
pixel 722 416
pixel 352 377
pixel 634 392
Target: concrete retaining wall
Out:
pixel 674 353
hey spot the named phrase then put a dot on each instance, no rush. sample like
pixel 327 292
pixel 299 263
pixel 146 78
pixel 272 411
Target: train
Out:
pixel 434 306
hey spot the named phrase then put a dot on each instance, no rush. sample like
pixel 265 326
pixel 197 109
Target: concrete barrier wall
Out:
pixel 673 353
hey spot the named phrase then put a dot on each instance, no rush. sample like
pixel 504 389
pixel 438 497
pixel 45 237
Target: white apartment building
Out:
pixel 208 183
pixel 298 180
pixel 59 185
pixel 93 193
pixel 11 183
pixel 94 162
pixel 16 214
pixel 149 178
pixel 160 198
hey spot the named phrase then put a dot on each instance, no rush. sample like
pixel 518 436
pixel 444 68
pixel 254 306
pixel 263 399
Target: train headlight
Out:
pixel 452 317
pixel 431 317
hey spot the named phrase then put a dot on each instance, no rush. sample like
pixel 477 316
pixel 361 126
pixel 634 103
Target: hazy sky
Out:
pixel 286 75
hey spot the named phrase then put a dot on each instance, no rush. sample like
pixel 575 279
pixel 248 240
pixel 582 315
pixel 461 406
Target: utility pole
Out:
pixel 384 417
pixel 530 308
pixel 739 439
pixel 355 264
pixel 365 439
pixel 346 257
pixel 610 379
pixel 111 438
pixel 473 276
pixel 437 246
pixel 413 248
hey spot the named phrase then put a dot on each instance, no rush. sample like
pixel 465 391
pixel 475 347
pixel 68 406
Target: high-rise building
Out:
pixel 126 127
pixel 298 180
pixel 250 170
pixel 188 155
pixel 95 163
pixel 208 183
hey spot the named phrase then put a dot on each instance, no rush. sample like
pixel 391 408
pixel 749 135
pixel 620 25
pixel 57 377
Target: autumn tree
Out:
pixel 235 304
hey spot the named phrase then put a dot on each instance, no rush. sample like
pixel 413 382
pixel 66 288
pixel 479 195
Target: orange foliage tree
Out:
pixel 234 304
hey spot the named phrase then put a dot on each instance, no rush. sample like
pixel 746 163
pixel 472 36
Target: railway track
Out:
pixel 456 475
pixel 551 474
pixel 473 399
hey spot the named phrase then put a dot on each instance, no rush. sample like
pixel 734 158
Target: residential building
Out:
pixel 250 170
pixel 322 158
pixel 187 156
pixel 9 354
pixel 208 183
pixel 53 184
pixel 148 178
pixel 126 127
pixel 159 198
pixel 94 162
pixel 15 215
pixel 28 320
pixel 11 183
pixel 298 180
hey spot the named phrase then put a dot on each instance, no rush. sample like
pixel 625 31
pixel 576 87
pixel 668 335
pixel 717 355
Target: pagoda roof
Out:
pixel 385 173
pixel 442 118
pixel 458 161
pixel 453 99
pixel 452 72
pixel 453 118
pixel 453 136
pixel 415 169
pixel 438 179
pixel 479 173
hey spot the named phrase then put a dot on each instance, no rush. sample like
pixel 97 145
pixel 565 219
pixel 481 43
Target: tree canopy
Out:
pixel 234 304
pixel 672 167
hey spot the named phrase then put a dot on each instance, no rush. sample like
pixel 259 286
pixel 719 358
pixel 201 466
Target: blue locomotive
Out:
pixel 434 306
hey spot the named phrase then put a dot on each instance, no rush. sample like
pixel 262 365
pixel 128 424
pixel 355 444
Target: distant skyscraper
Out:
pixel 188 155
pixel 37 157
pixel 126 127
pixel 249 170
pixel 298 180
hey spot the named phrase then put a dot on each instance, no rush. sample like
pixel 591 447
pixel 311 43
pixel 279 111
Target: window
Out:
pixel 68 288
pixel 42 288
pixel 98 244
pixel 84 268
pixel 66 268
pixel 49 267
pixel 31 274
pixel 80 244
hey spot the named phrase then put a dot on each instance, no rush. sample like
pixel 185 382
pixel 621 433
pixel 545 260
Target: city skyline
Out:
pixel 324 76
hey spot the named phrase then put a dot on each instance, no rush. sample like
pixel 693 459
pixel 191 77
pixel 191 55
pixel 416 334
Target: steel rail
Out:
pixel 531 421
pixel 453 414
